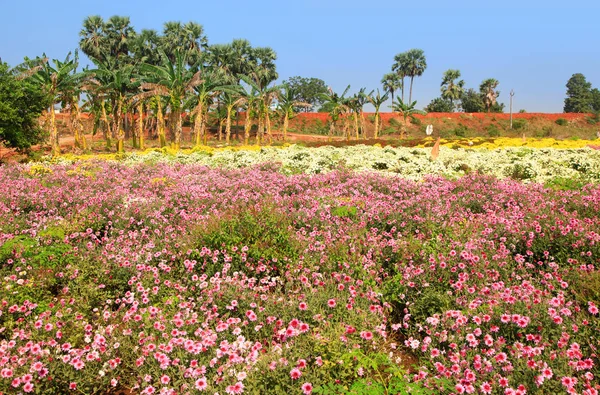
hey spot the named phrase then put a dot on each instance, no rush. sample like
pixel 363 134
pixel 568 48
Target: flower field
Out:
pixel 357 270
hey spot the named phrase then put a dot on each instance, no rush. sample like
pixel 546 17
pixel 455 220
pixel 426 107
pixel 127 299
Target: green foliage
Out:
pixel 493 130
pixel 440 104
pixel 21 104
pixel 561 122
pixel 520 172
pixel 519 124
pixel 344 211
pixel 579 95
pixel 307 90
pixel 263 231
pixel 471 101
pixel 565 184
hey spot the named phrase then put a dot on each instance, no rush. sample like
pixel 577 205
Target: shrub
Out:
pixel 493 130
pixel 519 124
pixel 561 122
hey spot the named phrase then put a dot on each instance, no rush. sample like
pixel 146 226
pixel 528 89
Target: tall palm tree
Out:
pixel 93 40
pixel 336 105
pixel 391 83
pixel 452 89
pixel 415 65
pixel 173 80
pixel 400 68
pixel 180 38
pixel 287 104
pixel 146 47
pixel 489 92
pixel 59 82
pixel 377 101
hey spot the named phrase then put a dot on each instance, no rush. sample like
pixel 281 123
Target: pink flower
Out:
pixel 302 306
pixel 307 388
pixel 592 309
pixel 295 373
pixel 486 388
pixel 331 303
pixel 72 386
pixel 366 335
pixel 28 387
pixel 164 379
pixel 201 384
pixel 237 388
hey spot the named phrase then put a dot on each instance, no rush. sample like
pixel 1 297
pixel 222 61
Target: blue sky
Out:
pixel 530 46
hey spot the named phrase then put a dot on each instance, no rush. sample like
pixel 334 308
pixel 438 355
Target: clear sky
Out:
pixel 530 46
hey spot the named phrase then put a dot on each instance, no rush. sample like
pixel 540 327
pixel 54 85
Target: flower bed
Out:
pixel 526 164
pixel 178 278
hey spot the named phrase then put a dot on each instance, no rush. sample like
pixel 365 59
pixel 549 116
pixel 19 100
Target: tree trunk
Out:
pixel 198 123
pixel 410 94
pixel 260 130
pixel 221 129
pixel 402 89
pixel 356 125
pixel 160 124
pixel 286 121
pixel 106 127
pixel 268 126
pixel 178 128
pixel 363 125
pixel 247 127
pixel 77 126
pixel 118 127
pixel 53 133
pixel 331 129
pixel 228 126
pixel 140 125
pixel 376 133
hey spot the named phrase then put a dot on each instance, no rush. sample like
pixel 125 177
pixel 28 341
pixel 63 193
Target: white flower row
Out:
pixel 536 165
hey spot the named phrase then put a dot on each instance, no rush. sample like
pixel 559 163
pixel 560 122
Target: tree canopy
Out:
pixel 21 104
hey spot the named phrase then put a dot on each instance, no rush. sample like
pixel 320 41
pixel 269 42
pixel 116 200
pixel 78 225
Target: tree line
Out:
pixel 157 81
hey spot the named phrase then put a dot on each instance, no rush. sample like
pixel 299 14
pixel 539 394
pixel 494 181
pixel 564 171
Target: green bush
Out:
pixel 493 130
pixel 519 124
pixel 561 122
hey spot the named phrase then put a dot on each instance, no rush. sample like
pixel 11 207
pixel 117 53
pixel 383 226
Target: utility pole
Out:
pixel 512 93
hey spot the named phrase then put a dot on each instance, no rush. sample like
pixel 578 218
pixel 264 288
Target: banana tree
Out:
pixel 230 101
pixel 336 105
pixel 213 83
pixel 264 96
pixel 377 101
pixel 407 110
pixel 115 83
pixel 287 104
pixel 356 104
pixel 172 79
pixel 58 81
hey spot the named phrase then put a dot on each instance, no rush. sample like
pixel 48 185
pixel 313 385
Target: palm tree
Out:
pixel 174 80
pixel 489 92
pixel 146 47
pixel 414 66
pixel 93 40
pixel 188 39
pixel 451 89
pixel 407 110
pixel 287 104
pixel 336 105
pixel 58 82
pixel 392 82
pixel 377 101
pixel 399 67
